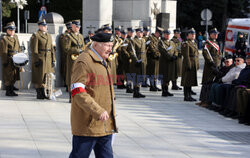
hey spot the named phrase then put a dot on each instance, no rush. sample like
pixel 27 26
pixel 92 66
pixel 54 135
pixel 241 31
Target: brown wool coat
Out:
pixel 190 64
pixel 63 55
pixel 42 50
pixel 179 59
pixel 87 107
pixel 208 72
pixel 8 47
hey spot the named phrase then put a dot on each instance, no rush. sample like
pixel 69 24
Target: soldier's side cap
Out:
pixel 118 28
pixel 159 29
pixel 68 25
pixel 130 29
pixel 77 23
pixel 177 30
pixel 214 30
pixel 146 29
pixel 139 29
pixel 10 26
pixel 192 31
pixel 167 32
pixel 106 27
pixel 123 32
pixel 240 56
pixel 42 22
pixel 103 37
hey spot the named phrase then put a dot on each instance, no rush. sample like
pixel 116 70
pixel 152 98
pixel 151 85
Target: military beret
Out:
pixel 106 27
pixel 146 29
pixel 76 22
pixel 228 57
pixel 123 32
pixel 42 22
pixel 69 25
pixel 10 26
pixel 240 56
pixel 139 29
pixel 159 29
pixel 130 29
pixel 167 32
pixel 103 37
pixel 192 31
pixel 177 31
pixel 214 30
pixel 118 28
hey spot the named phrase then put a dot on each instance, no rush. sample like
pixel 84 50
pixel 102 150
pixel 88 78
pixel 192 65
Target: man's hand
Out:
pixel 104 116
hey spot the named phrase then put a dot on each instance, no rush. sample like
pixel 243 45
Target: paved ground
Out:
pixel 152 127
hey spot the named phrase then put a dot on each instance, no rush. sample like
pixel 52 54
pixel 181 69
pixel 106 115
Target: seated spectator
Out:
pixel 228 64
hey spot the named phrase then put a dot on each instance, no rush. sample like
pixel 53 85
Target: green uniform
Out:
pixel 167 61
pixel 8 47
pixel 74 46
pixel 62 42
pixel 190 64
pixel 43 57
pixel 179 56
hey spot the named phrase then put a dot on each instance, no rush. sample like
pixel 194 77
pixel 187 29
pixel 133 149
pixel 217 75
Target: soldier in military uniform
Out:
pixel 178 62
pixel 130 37
pixel 153 58
pixel 212 55
pixel 43 57
pixel 88 38
pixel 137 50
pixel 62 42
pixel 9 46
pixel 146 33
pixel 167 62
pixel 74 47
pixel 190 65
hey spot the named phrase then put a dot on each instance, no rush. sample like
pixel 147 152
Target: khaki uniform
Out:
pixel 153 56
pixel 8 47
pixel 62 42
pixel 179 56
pixel 74 46
pixel 87 106
pixel 43 56
pixel 167 64
pixel 190 64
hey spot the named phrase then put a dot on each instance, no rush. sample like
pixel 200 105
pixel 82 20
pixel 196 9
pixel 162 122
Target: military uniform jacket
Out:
pixel 42 56
pixel 8 47
pixel 137 51
pixel 92 94
pixel 74 45
pixel 167 64
pixel 179 58
pixel 212 48
pixel 190 64
pixel 62 42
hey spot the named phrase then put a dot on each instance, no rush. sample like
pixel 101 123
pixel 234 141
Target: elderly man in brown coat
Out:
pixel 92 109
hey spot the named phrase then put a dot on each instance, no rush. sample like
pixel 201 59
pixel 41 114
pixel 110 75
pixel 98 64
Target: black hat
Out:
pixel 76 22
pixel 69 25
pixel 146 29
pixel 123 32
pixel 139 29
pixel 167 32
pixel 42 22
pixel 228 57
pixel 106 27
pixel 10 26
pixel 159 29
pixel 214 30
pixel 118 28
pixel 177 30
pixel 103 37
pixel 130 29
pixel 240 56
pixel 90 32
pixel 192 31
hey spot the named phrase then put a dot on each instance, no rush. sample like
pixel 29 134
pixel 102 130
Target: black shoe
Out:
pixel 176 88
pixel 192 92
pixel 10 92
pixel 187 99
pixel 67 89
pixel 153 89
pixel 138 95
pixel 158 89
pixel 15 89
pixel 39 93
pixel 120 87
pixel 129 90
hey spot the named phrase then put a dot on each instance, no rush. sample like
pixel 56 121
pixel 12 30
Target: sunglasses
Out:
pixel 237 60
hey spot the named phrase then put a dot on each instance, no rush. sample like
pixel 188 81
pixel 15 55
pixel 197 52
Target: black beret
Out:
pixel 103 37
pixel 240 56
pixel 130 29
pixel 118 28
pixel 146 29
pixel 228 57
pixel 177 30
pixel 123 32
pixel 167 32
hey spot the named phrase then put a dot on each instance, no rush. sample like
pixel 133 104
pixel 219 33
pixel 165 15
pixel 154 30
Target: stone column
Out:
pixel 170 6
pixel 95 14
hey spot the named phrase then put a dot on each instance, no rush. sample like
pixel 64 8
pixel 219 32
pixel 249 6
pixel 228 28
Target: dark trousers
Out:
pixel 82 147
pixel 205 90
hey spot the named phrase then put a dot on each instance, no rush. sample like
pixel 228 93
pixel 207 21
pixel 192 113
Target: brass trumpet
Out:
pixel 74 56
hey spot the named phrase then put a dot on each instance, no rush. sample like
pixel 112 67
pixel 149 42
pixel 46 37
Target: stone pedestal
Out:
pixel 95 14
pixel 52 28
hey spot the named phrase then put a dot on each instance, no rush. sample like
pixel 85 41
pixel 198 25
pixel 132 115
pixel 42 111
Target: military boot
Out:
pixel 152 87
pixel 137 93
pixel 15 89
pixel 43 93
pixel 190 94
pixel 39 94
pixel 155 85
pixel 186 94
pixel 164 91
pixel 175 87
pixel 10 91
pixel 129 89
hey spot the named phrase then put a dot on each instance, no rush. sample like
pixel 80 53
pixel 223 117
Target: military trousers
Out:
pixel 243 100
